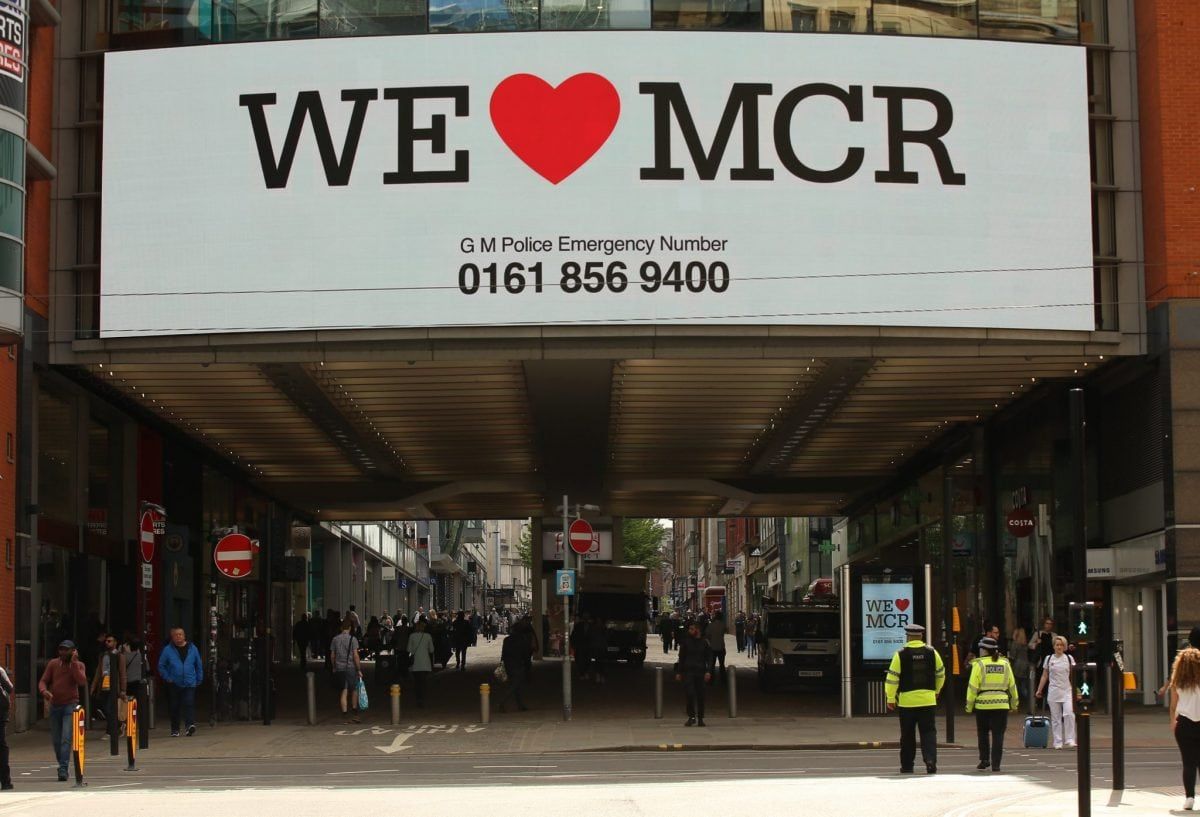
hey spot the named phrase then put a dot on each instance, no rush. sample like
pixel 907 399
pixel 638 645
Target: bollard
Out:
pixel 658 692
pixel 79 742
pixel 485 703
pixel 131 733
pixel 310 691
pixel 87 706
pixel 1118 725
pixel 732 686
pixel 395 693
pixel 150 705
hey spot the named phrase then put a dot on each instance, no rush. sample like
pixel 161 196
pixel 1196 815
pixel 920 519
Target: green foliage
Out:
pixel 643 542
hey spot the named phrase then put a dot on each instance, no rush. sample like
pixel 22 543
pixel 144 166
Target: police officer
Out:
pixel 914 681
pixel 992 693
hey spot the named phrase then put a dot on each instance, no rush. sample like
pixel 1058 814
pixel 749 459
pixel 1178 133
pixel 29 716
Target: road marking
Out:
pixel 397 744
pixel 368 771
pixel 514 767
pixel 119 785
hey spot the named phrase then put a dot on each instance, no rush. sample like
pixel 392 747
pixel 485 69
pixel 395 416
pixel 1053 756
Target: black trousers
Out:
pixel 1187 736
pixel 912 719
pixel 718 657
pixel 693 686
pixel 990 725
pixel 5 771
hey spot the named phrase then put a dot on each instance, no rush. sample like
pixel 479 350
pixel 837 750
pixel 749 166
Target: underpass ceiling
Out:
pixel 685 437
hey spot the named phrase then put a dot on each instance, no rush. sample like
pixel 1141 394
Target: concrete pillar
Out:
pixel 618 539
pixel 535 548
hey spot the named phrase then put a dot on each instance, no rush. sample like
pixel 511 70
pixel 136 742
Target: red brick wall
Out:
pixel 1168 43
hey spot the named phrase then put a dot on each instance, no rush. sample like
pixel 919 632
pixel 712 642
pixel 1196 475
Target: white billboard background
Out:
pixel 187 216
pixel 883 620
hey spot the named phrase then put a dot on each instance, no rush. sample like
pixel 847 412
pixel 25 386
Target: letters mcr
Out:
pixel 670 109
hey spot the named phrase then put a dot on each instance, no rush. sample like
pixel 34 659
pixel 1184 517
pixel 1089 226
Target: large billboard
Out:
pixel 595 178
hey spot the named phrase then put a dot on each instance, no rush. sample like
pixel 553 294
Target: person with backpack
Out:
pixel 137 675
pixel 1056 687
pixel 6 693
pixel 347 669
pixel 992 694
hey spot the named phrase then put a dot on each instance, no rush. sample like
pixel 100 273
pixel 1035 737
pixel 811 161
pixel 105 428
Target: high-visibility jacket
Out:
pixel 915 676
pixel 993 685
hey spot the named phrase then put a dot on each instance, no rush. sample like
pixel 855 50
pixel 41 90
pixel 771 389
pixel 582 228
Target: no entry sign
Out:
pixel 580 536
pixel 146 539
pixel 234 556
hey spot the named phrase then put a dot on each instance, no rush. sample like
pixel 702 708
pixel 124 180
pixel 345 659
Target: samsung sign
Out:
pixel 595 178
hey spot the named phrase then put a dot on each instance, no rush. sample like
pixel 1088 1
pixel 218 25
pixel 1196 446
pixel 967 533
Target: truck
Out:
pixel 619 596
pixel 803 644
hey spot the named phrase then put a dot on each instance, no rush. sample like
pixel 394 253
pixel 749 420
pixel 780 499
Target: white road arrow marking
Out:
pixel 397 744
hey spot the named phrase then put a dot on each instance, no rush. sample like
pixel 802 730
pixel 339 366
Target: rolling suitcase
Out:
pixel 1036 734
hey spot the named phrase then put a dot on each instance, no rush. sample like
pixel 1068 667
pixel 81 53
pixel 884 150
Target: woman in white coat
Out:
pixel 1059 692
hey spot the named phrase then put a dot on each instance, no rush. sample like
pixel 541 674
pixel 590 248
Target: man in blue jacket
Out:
pixel 182 671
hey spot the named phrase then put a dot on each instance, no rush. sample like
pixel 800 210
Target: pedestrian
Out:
pixel 356 629
pixel 580 643
pixel 692 668
pixel 180 668
pixel 914 680
pixel 1041 646
pixel 6 694
pixel 739 631
pixel 515 654
pixel 991 631
pixel 992 694
pixel 1185 717
pixel 1018 655
pixel 137 674
pixel 108 685
pixel 347 668
pixel 715 632
pixel 1059 693
pixel 461 635
pixel 420 650
pixel 597 642
pixel 301 634
pixel 758 640
pixel 59 686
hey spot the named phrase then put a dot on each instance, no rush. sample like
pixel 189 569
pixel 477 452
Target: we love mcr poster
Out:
pixel 887 607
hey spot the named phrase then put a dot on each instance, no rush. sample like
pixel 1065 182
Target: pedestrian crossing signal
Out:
pixel 1082 621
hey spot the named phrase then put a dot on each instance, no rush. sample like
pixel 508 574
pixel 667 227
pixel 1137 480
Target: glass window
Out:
pixel 945 18
pixel 12 157
pixel 360 18
pixel 1042 20
pixel 56 457
pixel 453 16
pixel 275 19
pixel 162 15
pixel 585 14
pixel 10 265
pixel 736 15
pixel 12 210
pixel 837 16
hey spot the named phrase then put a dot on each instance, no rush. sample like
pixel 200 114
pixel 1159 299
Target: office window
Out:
pixel 358 18
pixel 831 16
pixel 951 18
pixel 1040 20
pixel 464 16
pixel 562 15
pixel 732 15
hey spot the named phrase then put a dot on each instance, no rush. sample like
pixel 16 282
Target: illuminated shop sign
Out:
pixel 596 178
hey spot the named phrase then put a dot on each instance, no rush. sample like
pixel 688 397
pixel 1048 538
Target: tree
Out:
pixel 643 540
pixel 525 546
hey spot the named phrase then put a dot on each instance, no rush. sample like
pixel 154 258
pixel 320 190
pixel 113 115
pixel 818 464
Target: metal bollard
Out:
pixel 485 703
pixel 310 684
pixel 150 704
pixel 732 686
pixel 658 692
pixel 394 691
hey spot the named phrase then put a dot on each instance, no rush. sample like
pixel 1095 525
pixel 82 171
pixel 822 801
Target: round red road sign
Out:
pixel 580 536
pixel 1020 522
pixel 234 556
pixel 146 540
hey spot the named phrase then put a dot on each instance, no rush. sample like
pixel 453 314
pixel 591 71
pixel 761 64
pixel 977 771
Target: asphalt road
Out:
pixel 1056 770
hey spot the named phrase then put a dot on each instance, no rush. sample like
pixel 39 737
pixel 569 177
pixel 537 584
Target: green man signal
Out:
pixel 1082 621
pixel 1085 690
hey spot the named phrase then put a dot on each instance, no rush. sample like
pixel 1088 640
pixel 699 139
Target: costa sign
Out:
pixel 1020 522
pixel 598 177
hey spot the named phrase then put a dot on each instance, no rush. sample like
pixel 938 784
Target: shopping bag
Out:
pixel 500 674
pixel 362 695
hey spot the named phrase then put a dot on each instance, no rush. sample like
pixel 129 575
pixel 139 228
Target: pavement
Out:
pixel 617 715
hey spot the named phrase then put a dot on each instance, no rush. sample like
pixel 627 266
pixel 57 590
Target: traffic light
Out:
pixel 1085 684
pixel 1082 619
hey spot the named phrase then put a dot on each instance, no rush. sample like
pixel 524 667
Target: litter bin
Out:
pixel 385 669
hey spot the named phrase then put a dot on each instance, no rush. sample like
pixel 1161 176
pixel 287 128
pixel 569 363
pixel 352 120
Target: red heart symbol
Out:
pixel 555 130
pixel 901 604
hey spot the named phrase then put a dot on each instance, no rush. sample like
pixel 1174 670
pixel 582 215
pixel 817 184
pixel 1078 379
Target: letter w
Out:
pixel 308 105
